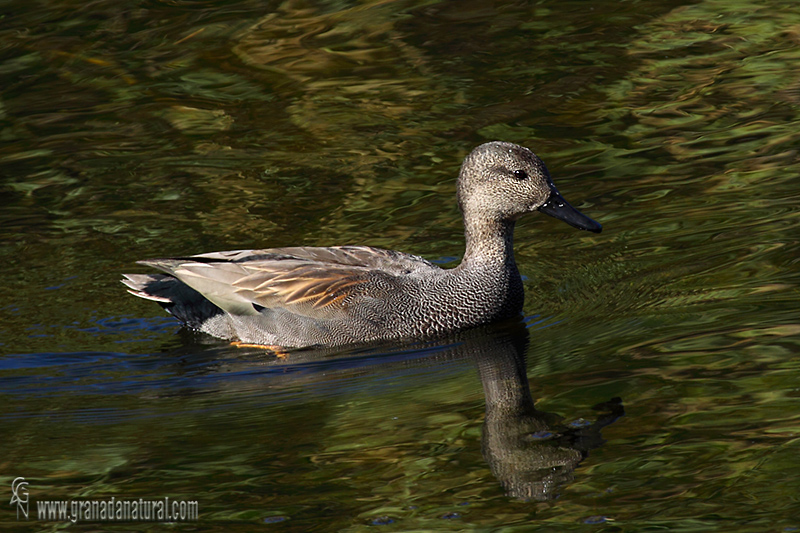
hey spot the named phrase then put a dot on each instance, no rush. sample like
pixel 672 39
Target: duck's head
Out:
pixel 502 181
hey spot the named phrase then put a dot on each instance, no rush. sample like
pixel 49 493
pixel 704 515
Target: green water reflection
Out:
pixel 151 129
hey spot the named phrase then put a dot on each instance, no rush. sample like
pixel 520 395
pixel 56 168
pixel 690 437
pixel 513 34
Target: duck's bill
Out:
pixel 559 208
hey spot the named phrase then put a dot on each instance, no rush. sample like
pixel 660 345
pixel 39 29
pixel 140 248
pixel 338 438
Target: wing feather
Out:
pixel 309 281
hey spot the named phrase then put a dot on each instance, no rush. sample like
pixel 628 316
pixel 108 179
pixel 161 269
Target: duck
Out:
pixel 296 297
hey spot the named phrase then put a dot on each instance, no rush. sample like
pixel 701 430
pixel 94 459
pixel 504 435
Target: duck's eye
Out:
pixel 520 175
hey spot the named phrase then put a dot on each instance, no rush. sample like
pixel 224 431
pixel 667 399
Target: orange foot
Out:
pixel 274 348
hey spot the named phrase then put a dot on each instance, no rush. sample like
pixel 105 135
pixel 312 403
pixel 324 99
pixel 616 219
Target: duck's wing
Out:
pixel 314 282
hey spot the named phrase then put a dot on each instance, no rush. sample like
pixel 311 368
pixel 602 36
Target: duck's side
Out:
pixel 262 296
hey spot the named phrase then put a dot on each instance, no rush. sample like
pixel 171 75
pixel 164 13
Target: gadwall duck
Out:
pixel 303 296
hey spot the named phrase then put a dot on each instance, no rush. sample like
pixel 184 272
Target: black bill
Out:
pixel 557 207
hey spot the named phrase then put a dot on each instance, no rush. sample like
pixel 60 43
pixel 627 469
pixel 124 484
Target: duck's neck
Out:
pixel 487 281
pixel 490 244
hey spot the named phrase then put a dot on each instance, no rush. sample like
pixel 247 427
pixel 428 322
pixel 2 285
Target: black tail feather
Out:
pixel 177 298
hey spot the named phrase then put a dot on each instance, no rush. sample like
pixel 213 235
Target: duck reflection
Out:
pixel 531 452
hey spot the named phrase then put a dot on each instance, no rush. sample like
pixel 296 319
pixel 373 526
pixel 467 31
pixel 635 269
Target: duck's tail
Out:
pixel 177 298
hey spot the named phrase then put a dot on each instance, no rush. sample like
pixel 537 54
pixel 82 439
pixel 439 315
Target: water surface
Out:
pixel 168 128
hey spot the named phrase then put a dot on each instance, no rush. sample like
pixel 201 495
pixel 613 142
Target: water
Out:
pixel 162 129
